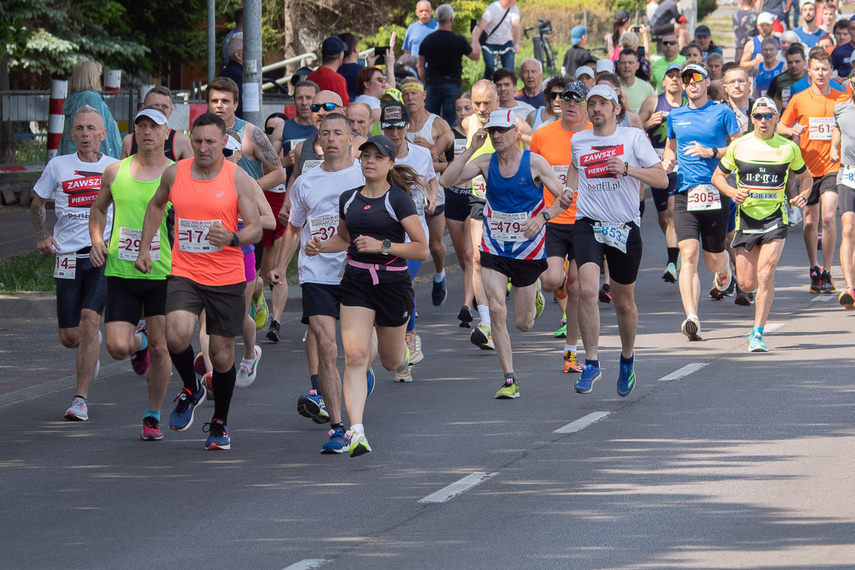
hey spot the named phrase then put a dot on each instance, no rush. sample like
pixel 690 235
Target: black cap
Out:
pixel 702 30
pixel 577 88
pixel 383 143
pixel 622 15
pixel 394 114
pixel 332 46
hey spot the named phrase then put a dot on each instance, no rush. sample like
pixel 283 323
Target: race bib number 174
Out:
pixel 193 236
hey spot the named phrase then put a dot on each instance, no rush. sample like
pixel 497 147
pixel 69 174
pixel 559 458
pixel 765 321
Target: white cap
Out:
pixel 604 91
pixel 803 2
pixel 152 114
pixel 232 143
pixel 766 102
pixel 502 118
pixel 766 18
pixel 584 70
pixel 605 65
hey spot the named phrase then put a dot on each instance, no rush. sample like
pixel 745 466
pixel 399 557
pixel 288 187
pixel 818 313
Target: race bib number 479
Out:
pixel 193 236
pixel 507 226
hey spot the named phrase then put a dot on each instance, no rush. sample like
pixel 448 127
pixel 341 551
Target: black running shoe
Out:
pixel 273 331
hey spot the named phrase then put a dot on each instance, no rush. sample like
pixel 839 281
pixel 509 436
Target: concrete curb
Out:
pixel 35 305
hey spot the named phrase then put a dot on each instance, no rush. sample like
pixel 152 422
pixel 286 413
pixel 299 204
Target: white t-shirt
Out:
pixel 493 14
pixel 314 207
pixel 420 159
pixel 521 110
pixel 73 185
pixel 372 102
pixel 608 197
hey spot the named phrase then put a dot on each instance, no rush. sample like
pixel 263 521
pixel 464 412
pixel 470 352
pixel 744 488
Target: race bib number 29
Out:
pixel 193 236
pixel 129 244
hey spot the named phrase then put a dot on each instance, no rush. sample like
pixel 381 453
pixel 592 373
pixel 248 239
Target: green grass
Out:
pixel 28 272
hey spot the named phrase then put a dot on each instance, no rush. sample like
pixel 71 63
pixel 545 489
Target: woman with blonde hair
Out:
pixel 84 88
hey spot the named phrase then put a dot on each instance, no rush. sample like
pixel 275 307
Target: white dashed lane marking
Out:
pixel 447 493
pixel 307 564
pixel 684 371
pixel 582 422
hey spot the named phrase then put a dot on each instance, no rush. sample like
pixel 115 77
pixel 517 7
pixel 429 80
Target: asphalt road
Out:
pixel 741 461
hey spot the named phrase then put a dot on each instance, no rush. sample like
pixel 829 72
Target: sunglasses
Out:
pixel 325 106
pixel 761 116
pixel 568 97
pixel 500 130
pixel 228 153
pixel 669 43
pixel 553 94
pixel 693 76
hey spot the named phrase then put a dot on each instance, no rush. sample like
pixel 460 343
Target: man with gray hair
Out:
pixel 440 66
pixel 234 68
pixel 531 73
pixel 420 29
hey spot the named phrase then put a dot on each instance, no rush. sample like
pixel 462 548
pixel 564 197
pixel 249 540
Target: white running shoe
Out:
pixel 246 374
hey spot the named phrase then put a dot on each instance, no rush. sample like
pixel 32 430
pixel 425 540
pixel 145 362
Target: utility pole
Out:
pixel 212 41
pixel 252 62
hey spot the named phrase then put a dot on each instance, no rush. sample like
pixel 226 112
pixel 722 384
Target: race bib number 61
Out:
pixel 193 236
pixel 819 128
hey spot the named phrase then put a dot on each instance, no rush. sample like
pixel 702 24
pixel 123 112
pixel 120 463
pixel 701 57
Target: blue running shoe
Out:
pixel 626 379
pixel 219 435
pixel 181 417
pixel 585 383
pixel 369 376
pixel 438 293
pixel 337 443
pixel 312 406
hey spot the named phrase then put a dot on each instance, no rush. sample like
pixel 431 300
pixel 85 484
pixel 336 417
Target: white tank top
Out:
pixel 426 132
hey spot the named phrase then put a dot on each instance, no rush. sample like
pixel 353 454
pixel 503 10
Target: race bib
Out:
pixel 819 128
pixel 324 227
pixel 703 197
pixel 66 265
pixel 459 147
pixel 561 174
pixel 310 164
pixel 507 226
pixel 479 187
pixel 846 176
pixel 785 95
pixel 193 236
pixel 293 144
pixel 129 244
pixel 612 234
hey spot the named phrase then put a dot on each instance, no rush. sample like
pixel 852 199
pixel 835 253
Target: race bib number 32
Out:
pixel 193 236
pixel 129 244
pixel 324 227
pixel 703 197
pixel 507 226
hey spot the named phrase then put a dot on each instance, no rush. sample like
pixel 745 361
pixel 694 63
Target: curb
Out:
pixel 38 305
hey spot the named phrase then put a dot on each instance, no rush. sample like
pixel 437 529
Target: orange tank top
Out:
pixel 198 204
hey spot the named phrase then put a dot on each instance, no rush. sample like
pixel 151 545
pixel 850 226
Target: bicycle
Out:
pixel 542 48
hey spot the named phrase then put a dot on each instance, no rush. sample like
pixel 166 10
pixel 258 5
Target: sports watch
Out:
pixel 387 244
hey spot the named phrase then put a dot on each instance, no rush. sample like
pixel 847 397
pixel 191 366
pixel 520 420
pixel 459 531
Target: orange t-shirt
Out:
pixel 198 204
pixel 816 113
pixel 552 142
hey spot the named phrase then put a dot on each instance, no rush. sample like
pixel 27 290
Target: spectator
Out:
pixel 693 53
pixel 669 20
pixel 440 67
pixel 809 32
pixel 650 11
pixel 751 56
pixel 234 68
pixel 237 18
pixel 671 56
pixel 84 88
pixel 635 89
pixel 350 66
pixel 577 54
pixel 714 65
pixel 370 85
pixel 744 22
pixel 703 38
pixel 842 54
pixel 531 73
pixel 325 76
pixel 506 85
pixel 630 41
pixel 620 25
pixel 768 69
pixel 501 24
pixel 586 75
pixel 419 30
pixel 779 10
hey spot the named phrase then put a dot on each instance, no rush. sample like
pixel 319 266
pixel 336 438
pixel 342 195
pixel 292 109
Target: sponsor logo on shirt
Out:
pixel 595 163
pixel 82 191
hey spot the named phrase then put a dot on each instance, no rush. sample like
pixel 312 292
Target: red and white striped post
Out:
pixel 112 81
pixel 56 120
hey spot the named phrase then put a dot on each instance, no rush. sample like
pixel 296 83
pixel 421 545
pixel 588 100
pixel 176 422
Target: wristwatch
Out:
pixel 235 241
pixel 387 244
pixel 546 216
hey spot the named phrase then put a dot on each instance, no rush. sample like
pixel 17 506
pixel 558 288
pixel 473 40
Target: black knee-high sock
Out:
pixel 183 362
pixel 673 252
pixel 224 387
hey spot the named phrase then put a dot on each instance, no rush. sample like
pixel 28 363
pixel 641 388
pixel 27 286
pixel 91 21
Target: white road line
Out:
pixel 822 298
pixel 684 371
pixel 582 422
pixel 772 327
pixel 307 564
pixel 456 488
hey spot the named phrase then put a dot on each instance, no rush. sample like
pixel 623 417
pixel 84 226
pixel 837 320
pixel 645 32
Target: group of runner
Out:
pixel 182 229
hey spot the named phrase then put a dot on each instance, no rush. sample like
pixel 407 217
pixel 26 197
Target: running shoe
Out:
pixel 510 390
pixel 670 275
pixel 404 376
pixel 181 417
pixel 414 346
pixel 795 216
pixel 626 379
pixel 691 327
pixel 571 362
pixel 357 443
pixel 247 373
pixel 79 410
pixel 312 406
pixel 208 382
pixel 369 378
pixel 508 294
pixel 826 284
pixel 465 317
pixel 717 295
pixel 742 298
pixel 481 337
pixel 258 311
pixel 605 293
pixel 273 331
pixel 722 284
pixel 141 359
pixel 336 444
pixel 151 429
pixel 218 437
pixel 562 330
pixel 199 366
pixel 815 279
pixel 585 383
pixel 438 293
pixel 847 298
pixel 819 241
pixel 405 364
pixel 755 343
pixel 538 301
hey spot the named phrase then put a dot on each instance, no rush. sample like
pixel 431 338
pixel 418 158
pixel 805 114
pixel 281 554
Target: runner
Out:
pixel 762 161
pixel 127 187
pixel 609 165
pixel 843 151
pixel 697 135
pixel 72 181
pixel 208 195
pixel 376 291
pixel 177 144
pixel 512 246
pixel 553 143
pixel 810 115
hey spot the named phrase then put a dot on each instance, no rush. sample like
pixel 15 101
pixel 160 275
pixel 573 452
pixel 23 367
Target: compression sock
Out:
pixel 627 361
pixel 183 362
pixel 673 252
pixel 758 330
pixel 151 414
pixel 438 277
pixel 484 311
pixel 594 363
pixel 224 386
pixel 143 341
pixel 571 348
pixel 316 383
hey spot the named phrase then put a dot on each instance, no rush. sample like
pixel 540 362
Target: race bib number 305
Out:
pixel 614 234
pixel 193 236
pixel 66 265
pixel 507 226
pixel 129 244
pixel 324 227
pixel 819 128
pixel 703 197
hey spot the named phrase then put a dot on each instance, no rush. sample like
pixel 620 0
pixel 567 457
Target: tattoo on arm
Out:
pixel 263 143
pixel 38 215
